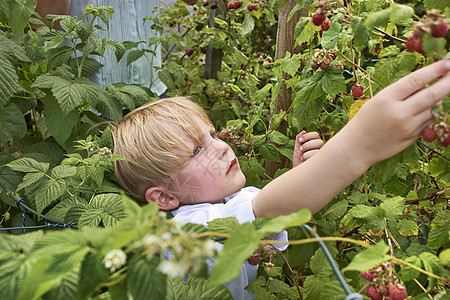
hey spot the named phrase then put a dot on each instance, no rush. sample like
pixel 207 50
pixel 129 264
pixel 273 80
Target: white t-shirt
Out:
pixel 238 205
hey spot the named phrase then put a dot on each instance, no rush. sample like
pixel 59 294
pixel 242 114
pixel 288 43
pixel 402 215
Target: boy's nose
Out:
pixel 222 148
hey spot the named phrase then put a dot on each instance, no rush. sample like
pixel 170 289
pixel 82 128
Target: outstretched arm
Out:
pixel 384 126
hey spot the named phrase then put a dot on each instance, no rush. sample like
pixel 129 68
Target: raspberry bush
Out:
pixel 388 231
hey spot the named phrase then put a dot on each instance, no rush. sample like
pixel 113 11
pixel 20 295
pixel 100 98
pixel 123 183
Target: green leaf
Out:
pixel 337 210
pixel 270 152
pixel 333 290
pixel 8 80
pixel 278 138
pixel 407 227
pixel 237 249
pixel 320 265
pixel 307 32
pixel 198 288
pixel 331 36
pixel 118 48
pixel 283 222
pixel 92 274
pixel 333 81
pixel 59 125
pixel 12 124
pixel 439 234
pixel 313 286
pixel 223 225
pixel 144 279
pixel 68 94
pixel 393 207
pixel 444 257
pixel 134 55
pixel 378 18
pixel 307 112
pixel 166 77
pixel 256 167
pixel 361 33
pixel 49 191
pixel 432 45
pixel 438 4
pixel 409 273
pixel 20 12
pixel 28 165
pixel 431 264
pixel 290 64
pixel 366 259
pixel 401 14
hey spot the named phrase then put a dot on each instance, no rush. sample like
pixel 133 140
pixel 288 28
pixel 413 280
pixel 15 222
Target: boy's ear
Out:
pixel 160 194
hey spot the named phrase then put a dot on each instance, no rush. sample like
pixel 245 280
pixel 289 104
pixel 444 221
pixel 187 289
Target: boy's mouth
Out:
pixel 233 165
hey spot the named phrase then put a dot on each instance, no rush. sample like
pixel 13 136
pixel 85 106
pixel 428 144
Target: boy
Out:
pixel 177 161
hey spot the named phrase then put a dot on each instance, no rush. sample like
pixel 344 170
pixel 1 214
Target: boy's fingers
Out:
pixel 432 95
pixel 415 81
pixel 312 144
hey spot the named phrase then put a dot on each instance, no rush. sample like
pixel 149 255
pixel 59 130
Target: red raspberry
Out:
pixel 325 24
pixel 251 7
pixel 372 293
pixel 237 4
pixel 213 6
pixel 205 3
pixel 357 91
pixel 320 32
pixel 254 260
pixel 440 30
pixel 445 142
pixel 314 65
pixel 397 292
pixel 189 52
pixel 317 19
pixel 369 276
pixel 230 5
pixel 429 135
pixel 413 45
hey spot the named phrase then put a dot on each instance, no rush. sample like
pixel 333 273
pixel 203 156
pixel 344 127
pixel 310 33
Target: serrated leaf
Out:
pixel 337 210
pixel 134 55
pixel 144 279
pixel 237 249
pixel 59 125
pixel 431 264
pixel 283 222
pixel 312 287
pixel 278 138
pixel 256 167
pixel 307 33
pixel 12 124
pixel 68 94
pixel 320 265
pixel 333 290
pixel 248 24
pixel 118 48
pixel 270 152
pixel 49 191
pixel 8 78
pixel 439 234
pixel 407 227
pixel 361 33
pixel 378 18
pixel 166 77
pixel 290 64
pixel 307 112
pixel 333 81
pixel 393 208
pixel 409 273
pixel 20 12
pixel 331 36
pixel 224 225
pixel 366 259
pixel 28 165
pixel 361 211
pixel 29 179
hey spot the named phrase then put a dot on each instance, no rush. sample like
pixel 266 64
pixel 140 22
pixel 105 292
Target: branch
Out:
pixel 386 35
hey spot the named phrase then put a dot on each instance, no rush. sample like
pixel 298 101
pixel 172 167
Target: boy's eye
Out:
pixel 213 135
pixel 196 150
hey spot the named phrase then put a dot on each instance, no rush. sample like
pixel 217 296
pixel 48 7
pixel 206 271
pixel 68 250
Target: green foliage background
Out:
pixel 56 152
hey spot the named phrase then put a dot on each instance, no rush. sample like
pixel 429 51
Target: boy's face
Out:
pixel 211 173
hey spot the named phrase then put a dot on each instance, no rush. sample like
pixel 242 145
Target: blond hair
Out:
pixel 152 139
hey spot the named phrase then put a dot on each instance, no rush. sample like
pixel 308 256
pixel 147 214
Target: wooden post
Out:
pixel 285 42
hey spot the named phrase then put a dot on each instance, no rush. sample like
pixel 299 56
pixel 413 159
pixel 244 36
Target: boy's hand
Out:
pixel 306 145
pixel 397 115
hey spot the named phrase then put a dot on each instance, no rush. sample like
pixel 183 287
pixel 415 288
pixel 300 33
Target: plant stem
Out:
pixel 386 35
pixel 294 274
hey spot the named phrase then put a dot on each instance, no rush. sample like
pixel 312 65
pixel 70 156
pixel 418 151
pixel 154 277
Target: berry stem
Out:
pixel 294 274
pixel 385 34
pixel 403 262
pixel 362 69
pixel 423 289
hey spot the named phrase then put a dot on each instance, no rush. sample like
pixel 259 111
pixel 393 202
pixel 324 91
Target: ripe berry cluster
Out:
pixel 319 18
pixel 322 59
pixel 434 24
pixel 234 5
pixel 381 285
pixel 440 131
